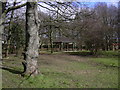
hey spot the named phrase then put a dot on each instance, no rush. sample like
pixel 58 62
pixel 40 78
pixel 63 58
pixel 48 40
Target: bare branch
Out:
pixel 14 7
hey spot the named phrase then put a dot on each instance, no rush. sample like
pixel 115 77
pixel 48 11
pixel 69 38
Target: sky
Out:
pixel 98 0
pixel 71 0
pixel 89 2
pixel 114 2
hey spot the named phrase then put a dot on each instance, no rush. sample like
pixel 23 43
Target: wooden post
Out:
pixel 73 46
pixel 61 46
pixel 67 46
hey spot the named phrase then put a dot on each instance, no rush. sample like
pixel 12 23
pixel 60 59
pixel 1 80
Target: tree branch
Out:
pixel 14 7
pixel 66 17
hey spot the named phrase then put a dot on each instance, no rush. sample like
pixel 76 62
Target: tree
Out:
pixel 32 39
pixel 9 33
pixel 107 17
pixel 17 37
pixel 2 20
pixel 118 28
pixel 100 26
pixel 2 17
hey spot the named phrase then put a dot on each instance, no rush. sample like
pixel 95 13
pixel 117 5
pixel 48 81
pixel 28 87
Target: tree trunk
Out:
pixel 1 30
pixel 51 41
pixel 32 39
pixel 50 37
pixel 118 29
pixel 2 20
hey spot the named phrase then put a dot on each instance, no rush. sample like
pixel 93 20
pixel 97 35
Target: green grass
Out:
pixel 62 71
pixel 106 61
pixel 109 53
pixel 0 78
pixel 107 58
pixel 99 53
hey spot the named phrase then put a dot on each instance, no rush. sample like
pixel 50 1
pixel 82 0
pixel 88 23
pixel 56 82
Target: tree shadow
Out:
pixel 11 70
pixel 80 53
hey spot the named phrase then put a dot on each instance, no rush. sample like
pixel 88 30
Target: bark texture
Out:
pixel 32 39
pixel 1 30
pixel 2 20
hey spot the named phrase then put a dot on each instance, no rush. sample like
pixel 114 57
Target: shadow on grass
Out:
pixel 11 70
pixel 80 53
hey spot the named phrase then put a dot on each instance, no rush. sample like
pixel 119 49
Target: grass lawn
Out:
pixel 106 61
pixel 63 71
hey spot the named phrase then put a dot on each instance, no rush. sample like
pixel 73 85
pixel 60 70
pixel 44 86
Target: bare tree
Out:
pixel 9 32
pixel 2 20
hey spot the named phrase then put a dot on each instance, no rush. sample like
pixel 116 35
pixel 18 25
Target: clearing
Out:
pixel 62 71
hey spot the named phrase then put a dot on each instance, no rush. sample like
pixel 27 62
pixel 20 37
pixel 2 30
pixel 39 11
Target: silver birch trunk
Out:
pixel 32 39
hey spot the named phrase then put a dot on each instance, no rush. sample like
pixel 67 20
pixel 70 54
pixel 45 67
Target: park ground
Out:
pixel 64 70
